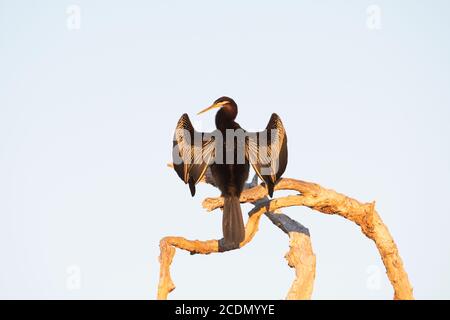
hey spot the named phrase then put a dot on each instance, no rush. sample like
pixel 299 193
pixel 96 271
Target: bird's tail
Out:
pixel 232 221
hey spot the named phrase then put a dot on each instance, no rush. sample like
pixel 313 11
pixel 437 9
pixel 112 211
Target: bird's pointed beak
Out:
pixel 214 106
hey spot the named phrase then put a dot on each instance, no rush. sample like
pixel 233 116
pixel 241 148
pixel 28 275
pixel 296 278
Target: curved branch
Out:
pixel 168 244
pixel 300 255
pixel 330 202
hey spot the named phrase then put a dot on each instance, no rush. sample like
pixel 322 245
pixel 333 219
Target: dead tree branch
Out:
pixel 330 202
pixel 300 255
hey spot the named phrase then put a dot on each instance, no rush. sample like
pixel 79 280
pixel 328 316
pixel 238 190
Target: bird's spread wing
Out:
pixel 193 152
pixel 267 152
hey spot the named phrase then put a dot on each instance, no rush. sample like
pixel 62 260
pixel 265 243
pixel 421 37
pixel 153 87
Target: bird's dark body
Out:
pixel 230 179
pixel 230 176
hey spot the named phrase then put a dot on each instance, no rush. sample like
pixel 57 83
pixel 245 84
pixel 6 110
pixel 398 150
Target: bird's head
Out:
pixel 225 103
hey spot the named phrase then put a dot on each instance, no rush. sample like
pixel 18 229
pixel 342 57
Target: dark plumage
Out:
pixel 229 168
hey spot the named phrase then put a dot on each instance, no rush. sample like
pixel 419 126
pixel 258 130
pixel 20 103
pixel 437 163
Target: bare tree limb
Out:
pixel 168 245
pixel 330 202
pixel 300 255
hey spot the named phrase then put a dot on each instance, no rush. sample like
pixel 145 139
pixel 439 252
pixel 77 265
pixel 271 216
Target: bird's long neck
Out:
pixel 225 118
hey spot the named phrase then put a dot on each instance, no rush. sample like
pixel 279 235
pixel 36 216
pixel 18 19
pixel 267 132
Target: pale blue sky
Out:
pixel 83 184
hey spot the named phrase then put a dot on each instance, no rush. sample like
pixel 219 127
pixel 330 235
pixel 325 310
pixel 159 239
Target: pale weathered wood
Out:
pixel 168 245
pixel 330 202
pixel 300 255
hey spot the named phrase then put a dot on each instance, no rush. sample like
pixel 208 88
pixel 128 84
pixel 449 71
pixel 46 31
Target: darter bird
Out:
pixel 228 153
